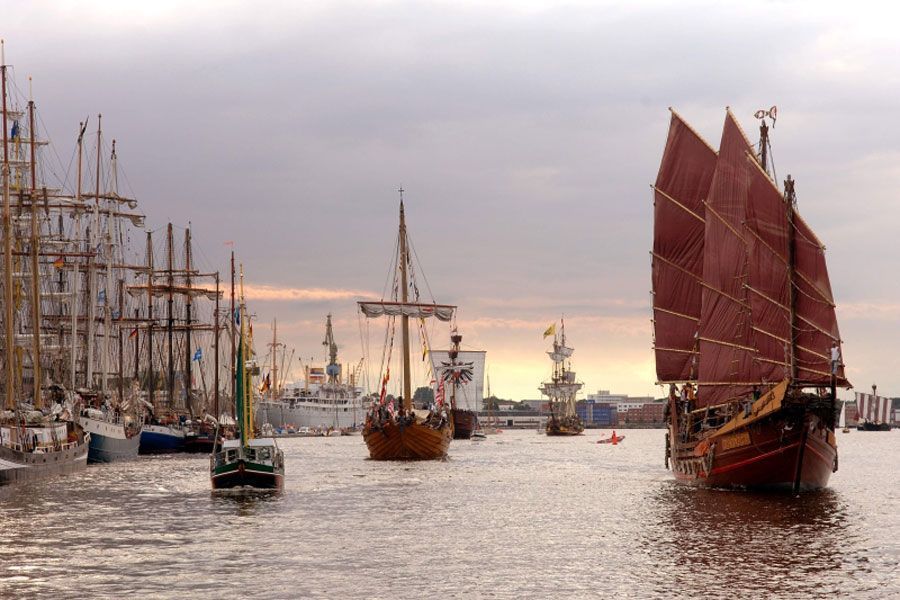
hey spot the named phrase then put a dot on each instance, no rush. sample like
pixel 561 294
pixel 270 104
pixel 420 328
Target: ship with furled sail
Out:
pixel 405 432
pixel 562 388
pixel 743 316
pixel 873 411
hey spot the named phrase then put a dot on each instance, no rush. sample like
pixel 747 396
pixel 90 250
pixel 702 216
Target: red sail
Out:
pixel 816 321
pixel 681 185
pixel 727 366
pixel 767 233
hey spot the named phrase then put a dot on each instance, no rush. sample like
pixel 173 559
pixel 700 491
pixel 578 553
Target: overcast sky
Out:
pixel 525 134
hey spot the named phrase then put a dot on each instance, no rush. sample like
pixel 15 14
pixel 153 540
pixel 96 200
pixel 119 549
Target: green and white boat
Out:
pixel 247 462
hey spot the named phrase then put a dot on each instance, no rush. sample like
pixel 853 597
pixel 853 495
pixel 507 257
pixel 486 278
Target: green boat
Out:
pixel 247 462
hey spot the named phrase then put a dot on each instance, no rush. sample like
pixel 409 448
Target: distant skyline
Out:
pixel 525 134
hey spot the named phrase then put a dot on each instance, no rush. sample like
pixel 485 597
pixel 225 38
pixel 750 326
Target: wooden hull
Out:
pixel 464 423
pixel 415 441
pixel 571 426
pixel 763 455
pixel 873 427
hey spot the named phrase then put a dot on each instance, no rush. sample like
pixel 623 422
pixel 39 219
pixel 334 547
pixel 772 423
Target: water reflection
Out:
pixel 749 543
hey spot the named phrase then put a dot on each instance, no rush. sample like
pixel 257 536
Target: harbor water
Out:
pixel 517 515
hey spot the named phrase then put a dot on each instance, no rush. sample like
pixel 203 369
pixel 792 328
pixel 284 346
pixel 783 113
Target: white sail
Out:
pixel 842 422
pixel 469 396
pixel 442 312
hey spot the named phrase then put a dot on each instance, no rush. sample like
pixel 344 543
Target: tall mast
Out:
pixel 35 265
pixel 188 355
pixel 92 275
pixel 170 314
pixel 231 321
pixel 151 376
pixel 217 414
pixel 7 252
pixel 121 343
pixel 274 373
pixel 107 306
pixel 407 383
pixel 790 202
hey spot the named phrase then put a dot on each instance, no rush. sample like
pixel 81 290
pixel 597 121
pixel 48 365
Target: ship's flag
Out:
pixel 237 316
pixel 14 134
pixel 133 333
pixel 267 383
pixel 198 354
pixel 59 263
pixel 550 331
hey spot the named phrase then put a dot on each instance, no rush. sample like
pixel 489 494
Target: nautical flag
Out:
pixel 237 316
pixel 550 331
pixel 390 407
pixel 198 354
pixel 267 383
pixel 101 297
pixel 439 397
pixel 59 263
pixel 133 333
pixel 14 134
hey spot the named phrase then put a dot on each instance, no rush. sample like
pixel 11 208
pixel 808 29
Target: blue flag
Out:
pixel 237 316
pixel 198 354
pixel 15 130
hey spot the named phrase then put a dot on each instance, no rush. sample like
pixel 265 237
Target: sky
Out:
pixel 525 135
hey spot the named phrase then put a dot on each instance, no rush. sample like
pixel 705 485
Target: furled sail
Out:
pixel 683 182
pixel 442 312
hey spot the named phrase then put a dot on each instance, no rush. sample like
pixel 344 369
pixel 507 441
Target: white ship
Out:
pixel 323 400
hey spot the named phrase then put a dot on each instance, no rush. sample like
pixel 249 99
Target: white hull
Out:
pixel 315 415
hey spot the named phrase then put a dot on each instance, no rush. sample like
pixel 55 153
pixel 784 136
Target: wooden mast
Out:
pixel 7 252
pixel 170 316
pixel 188 355
pixel 151 375
pixel 35 265
pixel 407 383
pixel 82 127
pixel 216 354
pixel 790 201
pixel 121 343
pixel 92 275
pixel 231 321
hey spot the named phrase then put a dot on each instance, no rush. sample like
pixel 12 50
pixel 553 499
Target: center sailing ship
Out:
pixel 407 432
pixel 562 387
pixel 744 318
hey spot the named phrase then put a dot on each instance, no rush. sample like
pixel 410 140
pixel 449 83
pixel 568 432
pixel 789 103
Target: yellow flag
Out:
pixel 550 330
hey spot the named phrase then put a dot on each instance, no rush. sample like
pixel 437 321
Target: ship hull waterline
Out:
pixel 464 423
pixel 106 449
pixel 243 474
pixel 161 439
pixel 414 441
pixel 18 467
pixel 765 457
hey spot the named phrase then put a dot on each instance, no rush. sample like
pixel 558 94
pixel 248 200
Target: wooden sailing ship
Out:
pixel 744 318
pixel 38 435
pixel 246 462
pixel 873 412
pixel 405 432
pixel 462 373
pixel 562 388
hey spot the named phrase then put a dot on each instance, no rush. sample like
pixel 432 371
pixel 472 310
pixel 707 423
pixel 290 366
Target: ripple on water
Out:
pixel 521 516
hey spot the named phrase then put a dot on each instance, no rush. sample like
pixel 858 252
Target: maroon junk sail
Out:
pixel 727 367
pixel 681 185
pixel 743 283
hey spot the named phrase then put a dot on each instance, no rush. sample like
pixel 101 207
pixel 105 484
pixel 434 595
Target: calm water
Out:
pixel 518 515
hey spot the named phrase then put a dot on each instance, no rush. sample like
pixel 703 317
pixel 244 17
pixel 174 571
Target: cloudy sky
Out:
pixel 525 134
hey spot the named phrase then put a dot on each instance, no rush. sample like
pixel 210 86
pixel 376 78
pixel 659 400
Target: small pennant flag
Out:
pixel 133 333
pixel 237 316
pixel 550 331
pixel 59 263
pixel 198 354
